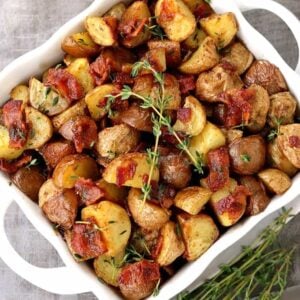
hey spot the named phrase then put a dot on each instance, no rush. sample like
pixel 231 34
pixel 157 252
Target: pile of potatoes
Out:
pixel 183 219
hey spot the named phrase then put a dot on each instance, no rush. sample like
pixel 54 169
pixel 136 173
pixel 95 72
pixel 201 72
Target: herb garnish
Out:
pixel 245 158
pixel 55 101
pixel 275 132
pixel 34 162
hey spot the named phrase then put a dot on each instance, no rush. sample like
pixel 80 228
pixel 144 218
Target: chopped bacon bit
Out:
pixel 120 105
pixel 203 10
pixel 227 66
pixel 132 28
pixel 87 241
pixel 157 248
pixel 218 163
pixel 65 83
pixel 165 195
pixel 122 78
pixel 126 171
pixel 15 120
pixel 88 191
pixel 100 70
pixel 184 114
pixel 294 141
pixel 186 83
pixel 14 166
pixel 169 138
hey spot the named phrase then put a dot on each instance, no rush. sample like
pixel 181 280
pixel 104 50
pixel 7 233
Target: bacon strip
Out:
pixel 186 83
pixel 184 114
pixel 88 191
pixel 126 172
pixel 294 141
pixel 15 120
pixel 14 166
pixel 132 28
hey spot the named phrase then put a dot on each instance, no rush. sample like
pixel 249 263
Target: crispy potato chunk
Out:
pixel 117 11
pixel 20 92
pixel 233 134
pixel 112 192
pixel 6 151
pixel 199 233
pixel 195 39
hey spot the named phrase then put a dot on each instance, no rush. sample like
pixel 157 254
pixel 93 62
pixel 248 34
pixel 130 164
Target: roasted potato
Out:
pixel 275 180
pixel 20 92
pixel 146 214
pixel 192 199
pixel 203 59
pixel 113 222
pixel 80 69
pixel 247 154
pixel 258 200
pixel 289 143
pixel 171 245
pixel 59 205
pixel 116 140
pixel 117 11
pixel 129 170
pixel 80 45
pixel 267 75
pixel 196 121
pixel 282 109
pixel 221 27
pixel 194 40
pixel 78 109
pixel 175 18
pixel 233 134
pixel 72 167
pixel 239 57
pixel 103 30
pixel 41 129
pixel 45 99
pixel 157 59
pixel 199 233
pixel 6 151
pixel 216 81
pixel 68 59
pixel 112 192
pixel 260 104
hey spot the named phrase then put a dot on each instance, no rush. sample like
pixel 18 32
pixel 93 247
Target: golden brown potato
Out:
pixel 20 92
pixel 171 245
pixel 203 59
pixel 289 142
pixel 80 45
pixel 113 222
pixel 129 170
pixel 41 129
pixel 192 199
pixel 277 159
pixel 282 109
pixel 116 11
pixel 6 151
pixel 239 57
pixel 146 214
pixel 216 81
pixel 116 140
pixel 199 233
pixel 157 59
pixel 29 181
pixel 258 200
pixel 175 18
pixel 197 119
pixel 221 27
pixel 194 4
pixel 137 13
pixel 195 39
pixel 72 167
pixel 267 75
pixel 112 192
pixel 260 104
pixel 233 134
pixel 275 180
pixel 78 109
pixel 103 30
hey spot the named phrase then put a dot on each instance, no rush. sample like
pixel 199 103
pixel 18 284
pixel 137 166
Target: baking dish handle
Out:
pixel 288 17
pixel 61 280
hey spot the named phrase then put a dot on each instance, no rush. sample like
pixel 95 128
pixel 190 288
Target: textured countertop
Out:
pixel 24 25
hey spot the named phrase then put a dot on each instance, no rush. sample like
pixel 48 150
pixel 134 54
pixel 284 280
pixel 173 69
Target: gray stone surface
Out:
pixel 24 25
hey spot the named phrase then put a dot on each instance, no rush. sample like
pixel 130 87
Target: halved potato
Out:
pixel 113 222
pixel 95 97
pixel 203 59
pixel 147 215
pixel 171 245
pixel 197 121
pixel 275 180
pixel 6 151
pixel 72 167
pixel 199 233
pixel 157 59
pixel 80 45
pixel 221 27
pixel 45 99
pixel 41 129
pixel 78 109
pixel 130 169
pixel 20 92
pixel 80 69
pixel 103 30
pixel 175 18
pixel 112 192
pixel 192 199
pixel 117 11
pixel 195 39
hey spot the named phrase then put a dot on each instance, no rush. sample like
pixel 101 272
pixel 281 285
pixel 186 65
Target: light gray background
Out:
pixel 24 25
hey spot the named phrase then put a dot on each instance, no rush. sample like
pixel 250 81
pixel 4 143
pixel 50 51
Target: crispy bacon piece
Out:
pixel 186 83
pixel 15 120
pixel 133 28
pixel 294 141
pixel 126 171
pixel 184 114
pixel 157 248
pixel 87 241
pixel 139 279
pixel 66 84
pixel 122 78
pixel 203 10
pixel 14 166
pixel 218 163
pixel 164 194
pixel 88 191
pixel 100 70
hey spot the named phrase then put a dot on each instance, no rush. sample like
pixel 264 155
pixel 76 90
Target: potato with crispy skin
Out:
pixel 112 192
pixel 117 11
pixel 233 134
pixel 20 92
pixel 194 40
pixel 157 59
pixel 6 151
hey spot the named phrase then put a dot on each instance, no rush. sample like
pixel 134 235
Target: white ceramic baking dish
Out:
pixel 78 278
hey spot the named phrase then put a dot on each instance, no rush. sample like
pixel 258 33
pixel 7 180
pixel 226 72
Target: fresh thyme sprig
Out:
pixel 275 132
pixel 260 266
pixel 155 29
